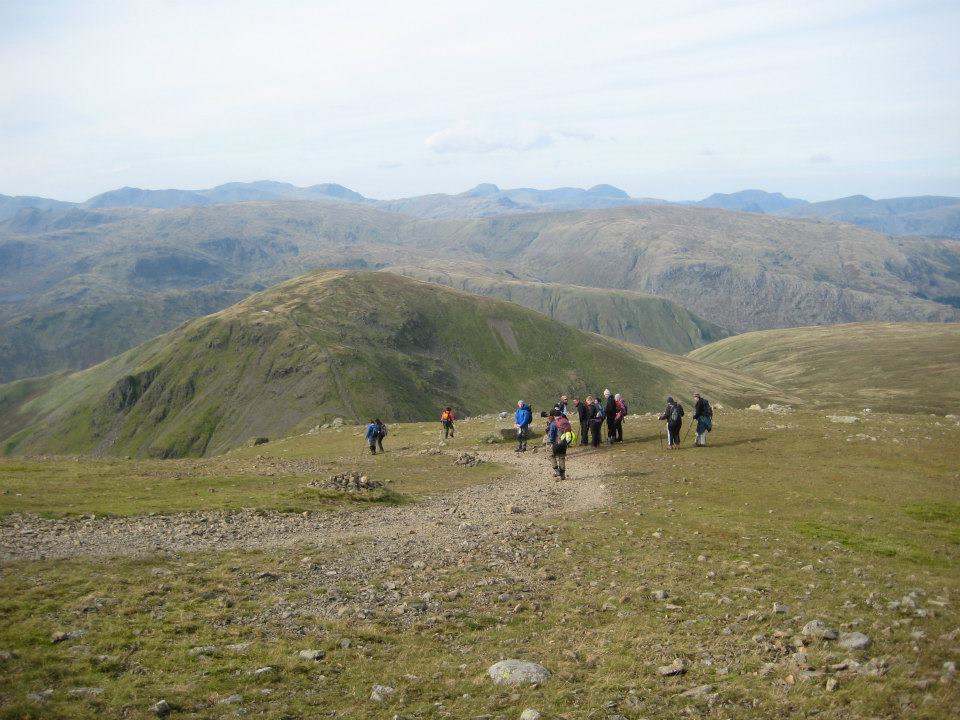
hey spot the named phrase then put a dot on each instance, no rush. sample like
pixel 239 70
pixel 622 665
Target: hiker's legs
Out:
pixel 373 448
pixel 611 429
pixel 562 465
pixel 595 434
pixel 380 443
pixel 618 430
pixel 585 432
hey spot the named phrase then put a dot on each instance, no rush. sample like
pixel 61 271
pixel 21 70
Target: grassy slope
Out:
pixel 725 531
pixel 631 316
pixel 340 343
pixel 903 367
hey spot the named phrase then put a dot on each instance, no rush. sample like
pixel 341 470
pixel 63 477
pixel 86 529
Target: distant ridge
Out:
pixel 751 201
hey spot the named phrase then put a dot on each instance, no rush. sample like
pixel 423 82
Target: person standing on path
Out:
pixel 610 412
pixel 703 414
pixel 381 434
pixel 618 420
pixel 583 415
pixel 446 419
pixel 595 420
pixel 560 435
pixel 373 432
pixel 522 419
pixel 674 417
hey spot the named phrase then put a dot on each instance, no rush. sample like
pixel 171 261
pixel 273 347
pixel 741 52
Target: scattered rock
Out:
pixel 530 714
pixel 337 422
pixel 161 708
pixel 779 409
pixel 203 650
pixel 232 700
pixel 843 419
pixel 700 691
pixel 267 575
pixel 260 672
pixel 59 637
pixel 518 672
pixel 832 684
pixel 855 641
pixel 820 630
pixel 677 667
pixel 312 654
pixel 381 693
pixel 85 691
pixel 259 441
pixel 40 697
pixel 780 608
pixel 660 595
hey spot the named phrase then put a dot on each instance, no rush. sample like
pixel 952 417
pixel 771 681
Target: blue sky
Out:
pixel 676 100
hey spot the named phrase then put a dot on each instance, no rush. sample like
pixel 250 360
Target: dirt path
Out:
pixel 436 523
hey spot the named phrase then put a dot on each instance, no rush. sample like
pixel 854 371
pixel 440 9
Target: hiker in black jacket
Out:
pixel 583 415
pixel 703 415
pixel 594 420
pixel 674 417
pixel 610 412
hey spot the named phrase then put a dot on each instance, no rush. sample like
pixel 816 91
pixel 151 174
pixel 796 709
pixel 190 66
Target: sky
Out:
pixel 676 100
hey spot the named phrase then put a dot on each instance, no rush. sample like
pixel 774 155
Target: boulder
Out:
pixel 820 630
pixel 518 672
pixel 855 641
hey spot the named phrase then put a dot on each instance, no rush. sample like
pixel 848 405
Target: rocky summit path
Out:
pixel 454 520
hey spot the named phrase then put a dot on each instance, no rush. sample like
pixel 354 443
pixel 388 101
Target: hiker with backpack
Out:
pixel 618 418
pixel 371 436
pixel 560 435
pixel 522 419
pixel 674 417
pixel 610 414
pixel 381 433
pixel 446 420
pixel 703 414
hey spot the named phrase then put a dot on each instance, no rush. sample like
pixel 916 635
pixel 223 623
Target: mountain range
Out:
pixel 79 286
pixel 931 216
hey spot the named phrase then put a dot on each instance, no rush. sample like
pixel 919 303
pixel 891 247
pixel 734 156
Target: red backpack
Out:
pixel 563 425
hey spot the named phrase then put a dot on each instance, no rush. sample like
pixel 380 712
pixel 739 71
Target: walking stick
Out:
pixel 660 435
pixel 686 433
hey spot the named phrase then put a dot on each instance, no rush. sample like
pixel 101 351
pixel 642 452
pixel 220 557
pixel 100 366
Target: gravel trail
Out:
pixel 436 522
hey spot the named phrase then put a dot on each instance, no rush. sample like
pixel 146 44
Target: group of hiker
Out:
pixel 606 410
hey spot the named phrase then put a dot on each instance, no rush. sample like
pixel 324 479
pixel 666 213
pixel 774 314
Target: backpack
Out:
pixel 383 430
pixel 446 416
pixel 567 438
pixel 707 410
pixel 674 416
pixel 563 425
pixel 601 413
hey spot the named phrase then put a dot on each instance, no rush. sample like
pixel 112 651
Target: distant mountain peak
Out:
pixel 483 190
pixel 751 200
pixel 604 190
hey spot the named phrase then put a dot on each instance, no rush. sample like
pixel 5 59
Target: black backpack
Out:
pixel 707 410
pixel 675 413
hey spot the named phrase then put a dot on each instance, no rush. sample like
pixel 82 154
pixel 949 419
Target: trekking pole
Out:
pixel 660 435
pixel 686 433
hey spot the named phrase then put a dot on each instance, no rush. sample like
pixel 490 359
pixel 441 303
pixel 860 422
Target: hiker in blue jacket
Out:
pixel 522 419
pixel 373 436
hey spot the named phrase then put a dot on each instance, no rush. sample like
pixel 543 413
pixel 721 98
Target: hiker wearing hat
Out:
pixel 522 419
pixel 610 413
pixel 703 414
pixel 446 420
pixel 562 405
pixel 674 417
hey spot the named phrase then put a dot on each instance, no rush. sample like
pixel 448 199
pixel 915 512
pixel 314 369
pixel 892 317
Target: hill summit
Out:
pixel 335 343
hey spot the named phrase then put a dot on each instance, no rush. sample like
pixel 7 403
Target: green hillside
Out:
pixel 635 317
pixel 336 343
pixel 902 367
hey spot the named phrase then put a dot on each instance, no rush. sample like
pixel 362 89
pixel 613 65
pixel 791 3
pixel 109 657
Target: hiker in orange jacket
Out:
pixel 446 419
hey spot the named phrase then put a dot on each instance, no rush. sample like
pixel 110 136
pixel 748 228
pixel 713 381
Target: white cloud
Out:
pixel 466 138
pixel 820 158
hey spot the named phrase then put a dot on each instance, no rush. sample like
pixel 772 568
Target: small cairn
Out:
pixel 467 459
pixel 349 482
